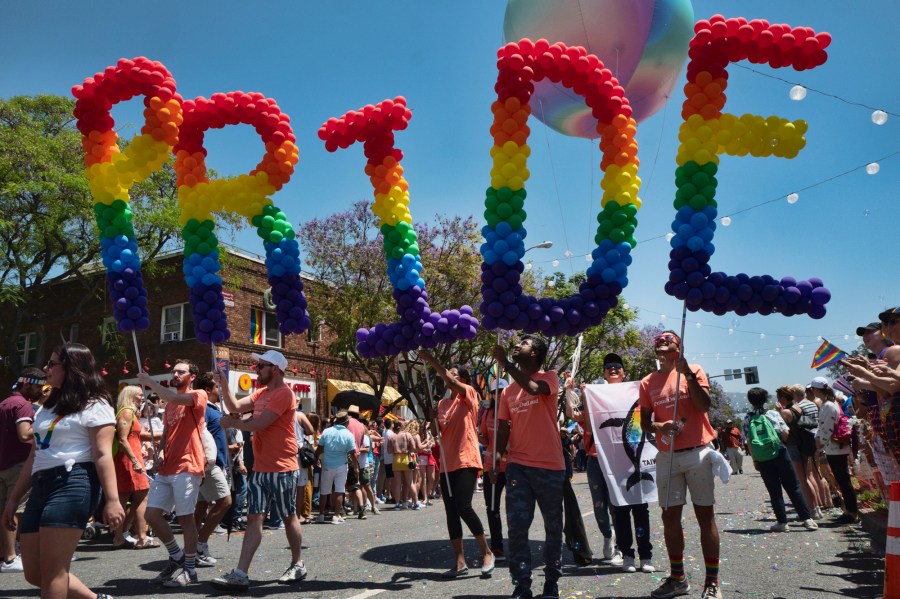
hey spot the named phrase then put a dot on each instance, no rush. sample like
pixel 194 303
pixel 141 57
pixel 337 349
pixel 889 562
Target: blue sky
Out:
pixel 319 60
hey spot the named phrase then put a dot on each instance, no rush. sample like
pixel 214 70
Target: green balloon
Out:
pixel 698 202
pixel 504 194
pixel 491 203
pixel 275 236
pixel 515 221
pixel 492 219
pixel 203 248
pixel 110 231
pixel 397 253
pixel 413 249
pixel 617 235
pixel 268 222
pixel 504 211
pixel 619 218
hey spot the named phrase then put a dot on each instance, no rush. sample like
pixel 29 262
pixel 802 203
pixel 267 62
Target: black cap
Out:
pixel 612 358
pixel 889 312
pixel 872 326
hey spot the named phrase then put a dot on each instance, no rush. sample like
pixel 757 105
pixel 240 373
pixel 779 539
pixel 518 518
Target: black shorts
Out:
pixel 806 443
pixel 388 470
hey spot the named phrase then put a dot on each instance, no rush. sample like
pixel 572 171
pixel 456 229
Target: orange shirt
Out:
pixel 184 448
pixel 658 394
pixel 459 436
pixel 534 434
pixel 487 429
pixel 275 447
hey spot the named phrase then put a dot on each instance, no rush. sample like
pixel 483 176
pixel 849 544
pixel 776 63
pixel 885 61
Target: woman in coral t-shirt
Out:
pixel 461 463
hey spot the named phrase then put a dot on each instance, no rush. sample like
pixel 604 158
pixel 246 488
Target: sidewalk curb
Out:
pixel 875 523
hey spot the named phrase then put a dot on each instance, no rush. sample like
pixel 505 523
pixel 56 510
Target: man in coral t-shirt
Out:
pixel 685 458
pixel 177 483
pixel 529 436
pixel 275 468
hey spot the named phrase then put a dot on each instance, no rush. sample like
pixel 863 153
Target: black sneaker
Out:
pixel 551 591
pixel 521 592
pixel 169 571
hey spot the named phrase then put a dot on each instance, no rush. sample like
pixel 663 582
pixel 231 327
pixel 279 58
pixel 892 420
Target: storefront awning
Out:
pixel 336 386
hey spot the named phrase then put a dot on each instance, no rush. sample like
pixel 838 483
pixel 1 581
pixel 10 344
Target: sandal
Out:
pixel 125 545
pixel 150 543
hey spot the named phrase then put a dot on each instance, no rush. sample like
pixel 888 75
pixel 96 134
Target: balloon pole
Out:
pixel 677 393
pixel 437 432
pixel 495 466
pixel 140 366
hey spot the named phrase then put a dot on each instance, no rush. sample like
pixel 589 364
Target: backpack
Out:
pixel 808 418
pixel 842 429
pixel 764 441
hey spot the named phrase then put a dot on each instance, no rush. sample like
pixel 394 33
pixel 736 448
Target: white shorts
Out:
pixel 691 471
pixel 214 486
pixel 302 477
pixel 333 476
pixel 175 492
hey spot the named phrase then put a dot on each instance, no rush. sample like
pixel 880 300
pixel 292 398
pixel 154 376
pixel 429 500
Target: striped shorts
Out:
pixel 278 487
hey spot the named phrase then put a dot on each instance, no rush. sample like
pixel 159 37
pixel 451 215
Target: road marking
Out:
pixel 370 593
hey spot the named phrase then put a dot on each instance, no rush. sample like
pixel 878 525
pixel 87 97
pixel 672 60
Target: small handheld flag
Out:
pixel 827 354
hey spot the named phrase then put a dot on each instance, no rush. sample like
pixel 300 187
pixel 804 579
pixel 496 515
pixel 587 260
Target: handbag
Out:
pixel 307 456
pixel 413 461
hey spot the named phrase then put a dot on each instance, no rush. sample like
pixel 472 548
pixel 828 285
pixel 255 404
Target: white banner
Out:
pixel 627 455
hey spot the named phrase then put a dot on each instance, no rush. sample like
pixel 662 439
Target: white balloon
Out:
pixel 762 335
pixel 669 236
pixel 528 266
pixel 797 93
pixel 555 263
pixel 726 221
pixel 872 168
pixel 551 283
pixel 568 254
pixel 698 325
pixel 588 258
pixel 792 198
pixel 879 117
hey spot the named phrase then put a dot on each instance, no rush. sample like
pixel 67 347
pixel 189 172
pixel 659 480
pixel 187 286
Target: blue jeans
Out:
pixel 376 466
pixel 525 486
pixel 240 494
pixel 780 473
pixel 61 498
pixel 600 496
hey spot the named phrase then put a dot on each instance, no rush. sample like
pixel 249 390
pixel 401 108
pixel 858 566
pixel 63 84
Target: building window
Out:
pixel 177 323
pixel 264 328
pixel 27 347
pixel 108 331
pixel 314 333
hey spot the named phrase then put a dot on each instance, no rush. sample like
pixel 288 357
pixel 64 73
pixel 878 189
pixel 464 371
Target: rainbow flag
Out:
pixel 827 354
pixel 256 326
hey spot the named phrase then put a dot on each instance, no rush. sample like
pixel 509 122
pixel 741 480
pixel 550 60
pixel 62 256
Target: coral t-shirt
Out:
pixel 459 435
pixel 184 447
pixel 534 434
pixel 487 429
pixel 658 394
pixel 275 447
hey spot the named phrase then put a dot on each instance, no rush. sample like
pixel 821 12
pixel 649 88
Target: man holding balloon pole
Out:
pixel 529 438
pixel 684 462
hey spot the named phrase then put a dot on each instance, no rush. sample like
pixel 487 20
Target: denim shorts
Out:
pixel 61 498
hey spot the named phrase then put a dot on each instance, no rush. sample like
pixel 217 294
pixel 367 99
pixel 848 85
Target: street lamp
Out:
pixel 541 246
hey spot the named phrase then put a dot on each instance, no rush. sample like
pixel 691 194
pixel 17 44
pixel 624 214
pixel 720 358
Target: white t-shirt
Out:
pixel 363 458
pixel 69 441
pixel 386 456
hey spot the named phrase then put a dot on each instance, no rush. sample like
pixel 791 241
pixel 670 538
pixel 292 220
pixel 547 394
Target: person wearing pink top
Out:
pixel 529 436
pixel 685 458
pixel 456 417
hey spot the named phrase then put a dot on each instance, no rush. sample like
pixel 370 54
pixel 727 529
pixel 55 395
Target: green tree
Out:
pixel 344 251
pixel 47 230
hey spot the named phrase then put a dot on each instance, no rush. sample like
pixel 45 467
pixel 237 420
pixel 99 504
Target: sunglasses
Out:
pixel 665 337
pixel 52 363
pixel 261 365
pixel 613 366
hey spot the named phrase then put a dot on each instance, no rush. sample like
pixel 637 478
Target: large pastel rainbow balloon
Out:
pixel 643 42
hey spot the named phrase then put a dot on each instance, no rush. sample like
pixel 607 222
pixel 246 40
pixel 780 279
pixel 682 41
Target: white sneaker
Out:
pixel 810 524
pixel 818 515
pixel 628 565
pixel 779 527
pixel 337 520
pixel 379 500
pixel 617 559
pixel 14 566
pixel 647 566
pixel 607 547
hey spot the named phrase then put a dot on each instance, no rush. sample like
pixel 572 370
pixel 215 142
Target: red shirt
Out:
pixel 13 410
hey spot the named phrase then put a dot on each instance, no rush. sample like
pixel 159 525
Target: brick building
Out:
pixel 251 320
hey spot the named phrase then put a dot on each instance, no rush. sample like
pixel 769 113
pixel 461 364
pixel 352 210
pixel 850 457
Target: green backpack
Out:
pixel 764 441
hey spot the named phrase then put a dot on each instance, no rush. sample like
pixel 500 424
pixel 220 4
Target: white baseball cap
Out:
pixel 273 357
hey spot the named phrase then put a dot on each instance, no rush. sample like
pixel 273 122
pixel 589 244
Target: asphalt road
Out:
pixel 402 554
